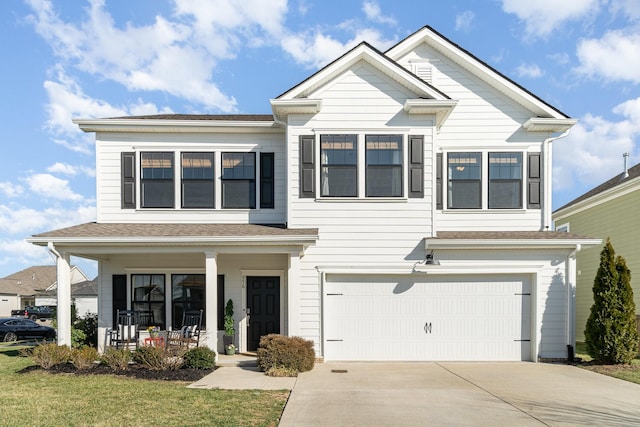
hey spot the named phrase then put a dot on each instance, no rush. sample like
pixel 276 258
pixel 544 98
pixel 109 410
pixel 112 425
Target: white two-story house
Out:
pixel 394 206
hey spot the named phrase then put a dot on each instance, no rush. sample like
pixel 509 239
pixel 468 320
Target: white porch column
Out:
pixel 64 299
pixel 293 295
pixel 211 299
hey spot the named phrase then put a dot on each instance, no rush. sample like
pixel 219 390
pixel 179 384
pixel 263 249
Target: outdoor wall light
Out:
pixel 430 260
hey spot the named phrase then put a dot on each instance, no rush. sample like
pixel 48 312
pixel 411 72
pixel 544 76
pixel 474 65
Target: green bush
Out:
pixel 49 355
pixel 117 359
pixel 89 326
pixel 78 337
pixel 158 359
pixel 611 335
pixel 84 358
pixel 278 353
pixel 200 358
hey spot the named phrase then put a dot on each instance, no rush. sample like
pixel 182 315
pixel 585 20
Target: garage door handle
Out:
pixel 427 328
pixel 334 340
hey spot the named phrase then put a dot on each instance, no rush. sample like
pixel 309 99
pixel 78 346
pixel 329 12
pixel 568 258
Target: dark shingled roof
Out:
pixel 634 172
pixel 93 229
pixel 507 235
pixel 86 288
pixel 218 117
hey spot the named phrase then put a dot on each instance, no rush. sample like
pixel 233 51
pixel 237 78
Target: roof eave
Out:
pixel 509 243
pixel 542 124
pixel 168 240
pixel 440 108
pixel 176 126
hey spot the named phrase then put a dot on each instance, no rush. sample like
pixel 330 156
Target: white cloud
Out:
pixel 11 190
pixel 592 153
pixel 629 8
pixel 20 220
pixel 19 254
pixel 542 17
pixel 373 13
pixel 532 71
pixel 51 187
pixel 614 57
pixel 67 169
pixel 464 21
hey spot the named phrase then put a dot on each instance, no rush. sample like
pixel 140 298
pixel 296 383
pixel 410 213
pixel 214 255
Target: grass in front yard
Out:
pixel 38 398
pixel 629 372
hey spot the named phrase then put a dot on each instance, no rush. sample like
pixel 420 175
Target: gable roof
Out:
pixel 85 288
pixel 476 66
pixel 611 184
pixel 29 281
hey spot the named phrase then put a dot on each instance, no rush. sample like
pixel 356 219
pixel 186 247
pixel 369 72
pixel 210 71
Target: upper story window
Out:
pixel 464 189
pixel 384 165
pixel 157 185
pixel 505 180
pixel 239 180
pixel 339 168
pixel 197 180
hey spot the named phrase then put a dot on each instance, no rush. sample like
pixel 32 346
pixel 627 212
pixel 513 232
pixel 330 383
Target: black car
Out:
pixel 14 329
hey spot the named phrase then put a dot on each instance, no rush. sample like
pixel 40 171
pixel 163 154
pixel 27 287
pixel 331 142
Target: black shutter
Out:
pixel 416 166
pixel 119 295
pixel 534 183
pixel 307 167
pixel 128 178
pixel 266 181
pixel 439 181
pixel 221 302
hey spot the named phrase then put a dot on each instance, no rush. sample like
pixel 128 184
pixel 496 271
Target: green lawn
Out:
pixel 629 373
pixel 38 398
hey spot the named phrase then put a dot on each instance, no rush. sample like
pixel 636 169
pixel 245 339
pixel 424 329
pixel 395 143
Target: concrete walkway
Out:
pixel 459 394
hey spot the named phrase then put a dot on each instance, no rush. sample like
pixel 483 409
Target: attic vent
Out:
pixel 424 71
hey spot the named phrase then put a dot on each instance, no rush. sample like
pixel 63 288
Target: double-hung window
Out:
pixel 339 165
pixel 464 171
pixel 197 180
pixel 384 165
pixel 148 292
pixel 157 183
pixel 188 293
pixel 505 180
pixel 239 180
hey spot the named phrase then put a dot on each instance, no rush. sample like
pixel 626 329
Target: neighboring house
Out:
pixel 84 295
pixel 608 211
pixel 395 206
pixel 20 289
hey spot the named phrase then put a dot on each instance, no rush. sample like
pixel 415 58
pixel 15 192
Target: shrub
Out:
pixel 281 371
pixel 279 353
pixel 49 355
pixel 89 326
pixel 117 359
pixel 84 358
pixel 200 358
pixel 611 335
pixel 158 359
pixel 78 337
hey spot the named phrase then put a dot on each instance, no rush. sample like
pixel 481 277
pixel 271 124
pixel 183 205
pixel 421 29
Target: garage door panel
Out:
pixel 446 318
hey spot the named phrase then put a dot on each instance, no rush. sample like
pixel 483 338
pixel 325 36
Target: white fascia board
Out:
pixel 440 108
pixel 509 243
pixel 364 53
pixel 476 67
pixel 421 269
pixel 598 199
pixel 176 126
pixel 176 241
pixel 283 107
pixel 540 124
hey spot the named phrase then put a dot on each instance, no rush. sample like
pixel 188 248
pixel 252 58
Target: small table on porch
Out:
pixel 154 341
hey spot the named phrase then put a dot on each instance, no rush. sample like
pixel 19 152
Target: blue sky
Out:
pixel 103 58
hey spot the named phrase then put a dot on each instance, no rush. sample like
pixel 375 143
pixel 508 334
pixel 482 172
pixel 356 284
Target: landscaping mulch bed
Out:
pixel 133 371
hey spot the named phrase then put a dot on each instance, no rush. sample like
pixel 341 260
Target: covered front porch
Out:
pixel 169 268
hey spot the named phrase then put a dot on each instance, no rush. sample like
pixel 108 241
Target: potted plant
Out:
pixel 230 349
pixel 229 330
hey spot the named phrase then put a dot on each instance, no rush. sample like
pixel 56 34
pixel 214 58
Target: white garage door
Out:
pixel 427 318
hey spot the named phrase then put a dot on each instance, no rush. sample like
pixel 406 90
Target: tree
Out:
pixel 611 335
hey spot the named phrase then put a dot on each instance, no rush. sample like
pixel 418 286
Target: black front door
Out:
pixel 263 308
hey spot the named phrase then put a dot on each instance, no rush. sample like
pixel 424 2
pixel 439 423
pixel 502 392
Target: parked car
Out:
pixel 15 329
pixel 34 312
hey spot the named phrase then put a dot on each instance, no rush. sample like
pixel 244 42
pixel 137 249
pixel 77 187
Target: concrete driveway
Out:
pixel 457 394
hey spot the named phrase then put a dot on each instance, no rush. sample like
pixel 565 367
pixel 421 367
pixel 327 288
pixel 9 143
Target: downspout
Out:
pixel 53 250
pixel 571 297
pixel 547 158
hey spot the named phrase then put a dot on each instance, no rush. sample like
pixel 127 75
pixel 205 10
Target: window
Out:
pixel 197 180
pixel 187 293
pixel 505 180
pixel 465 177
pixel 239 180
pixel 339 170
pixel 147 292
pixel 384 165
pixel 157 180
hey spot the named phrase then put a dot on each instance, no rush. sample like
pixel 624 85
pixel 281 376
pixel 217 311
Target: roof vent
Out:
pixel 625 174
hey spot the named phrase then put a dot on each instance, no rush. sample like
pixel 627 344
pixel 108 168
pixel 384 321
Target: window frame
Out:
pixel 205 155
pixel 498 180
pixel 475 181
pixel 136 303
pixel 251 182
pixel 168 182
pixel 326 167
pixel 371 167
pixel 185 302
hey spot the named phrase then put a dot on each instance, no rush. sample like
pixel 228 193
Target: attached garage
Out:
pixel 425 318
